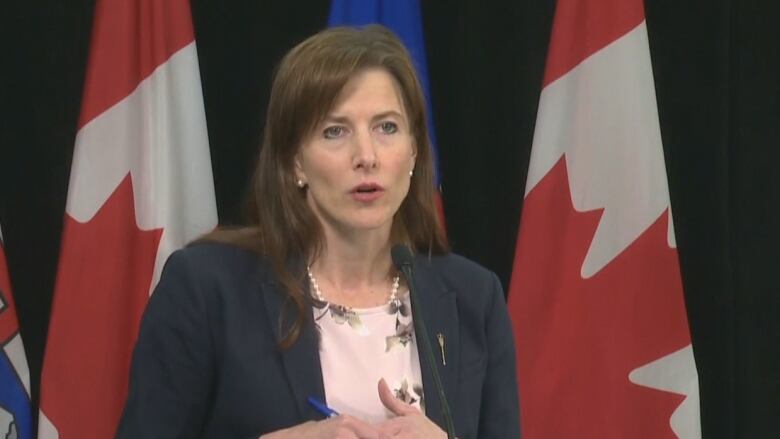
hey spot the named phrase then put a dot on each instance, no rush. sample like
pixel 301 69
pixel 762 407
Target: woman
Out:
pixel 247 325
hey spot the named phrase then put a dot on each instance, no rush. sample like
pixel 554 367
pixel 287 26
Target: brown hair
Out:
pixel 279 224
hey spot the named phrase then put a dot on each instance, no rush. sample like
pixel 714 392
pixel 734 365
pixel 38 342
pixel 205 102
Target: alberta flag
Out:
pixel 604 349
pixel 140 187
pixel 404 18
pixel 15 415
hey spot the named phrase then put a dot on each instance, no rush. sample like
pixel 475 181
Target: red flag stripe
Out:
pixel 127 46
pixel 580 29
pixel 8 323
pixel 101 294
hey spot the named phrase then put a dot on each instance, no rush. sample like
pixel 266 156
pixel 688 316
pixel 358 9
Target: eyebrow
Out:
pixel 382 115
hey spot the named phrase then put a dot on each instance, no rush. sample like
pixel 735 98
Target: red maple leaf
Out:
pixel 578 339
pixel 105 271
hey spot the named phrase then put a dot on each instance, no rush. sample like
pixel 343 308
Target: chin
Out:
pixel 372 222
pixel 369 225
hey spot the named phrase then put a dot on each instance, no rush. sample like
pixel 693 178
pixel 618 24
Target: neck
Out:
pixel 355 268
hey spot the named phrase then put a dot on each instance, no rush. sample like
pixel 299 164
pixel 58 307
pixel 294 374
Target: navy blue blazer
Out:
pixel 206 363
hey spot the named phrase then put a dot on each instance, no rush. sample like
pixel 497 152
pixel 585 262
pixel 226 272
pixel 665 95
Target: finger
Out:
pixel 386 435
pixel 361 429
pixel 391 427
pixel 398 407
pixel 415 425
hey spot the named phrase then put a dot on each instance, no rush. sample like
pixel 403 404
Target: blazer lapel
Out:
pixel 440 313
pixel 301 362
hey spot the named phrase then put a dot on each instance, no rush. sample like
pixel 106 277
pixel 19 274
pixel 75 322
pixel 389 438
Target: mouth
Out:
pixel 367 192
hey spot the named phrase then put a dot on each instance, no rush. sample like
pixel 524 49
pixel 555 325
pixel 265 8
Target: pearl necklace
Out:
pixel 318 294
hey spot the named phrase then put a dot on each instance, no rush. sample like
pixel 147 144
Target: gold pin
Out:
pixel 440 337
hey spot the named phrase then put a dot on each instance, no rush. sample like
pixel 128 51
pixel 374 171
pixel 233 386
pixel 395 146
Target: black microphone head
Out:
pixel 402 256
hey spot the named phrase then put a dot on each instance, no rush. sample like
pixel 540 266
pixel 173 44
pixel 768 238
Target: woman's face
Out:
pixel 357 161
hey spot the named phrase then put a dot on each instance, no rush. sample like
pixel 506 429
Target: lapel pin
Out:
pixel 440 338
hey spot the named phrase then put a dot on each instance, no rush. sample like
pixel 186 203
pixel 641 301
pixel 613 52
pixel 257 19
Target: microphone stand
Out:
pixel 405 265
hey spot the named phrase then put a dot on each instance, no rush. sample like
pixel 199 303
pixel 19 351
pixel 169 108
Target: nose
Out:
pixel 365 156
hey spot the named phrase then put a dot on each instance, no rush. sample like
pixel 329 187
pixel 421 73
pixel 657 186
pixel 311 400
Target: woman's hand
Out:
pixel 409 423
pixel 340 427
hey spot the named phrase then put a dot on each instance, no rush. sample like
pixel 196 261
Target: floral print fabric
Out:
pixel 358 347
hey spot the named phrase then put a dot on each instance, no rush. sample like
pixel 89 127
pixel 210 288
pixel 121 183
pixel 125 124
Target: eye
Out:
pixel 388 127
pixel 333 132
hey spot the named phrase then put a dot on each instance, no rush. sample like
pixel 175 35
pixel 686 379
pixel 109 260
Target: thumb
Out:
pixel 398 407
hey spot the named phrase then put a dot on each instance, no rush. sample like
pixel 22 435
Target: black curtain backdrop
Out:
pixel 717 75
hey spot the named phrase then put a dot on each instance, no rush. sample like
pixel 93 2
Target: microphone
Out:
pixel 404 262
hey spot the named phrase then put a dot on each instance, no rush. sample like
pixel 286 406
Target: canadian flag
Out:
pixel 604 348
pixel 140 187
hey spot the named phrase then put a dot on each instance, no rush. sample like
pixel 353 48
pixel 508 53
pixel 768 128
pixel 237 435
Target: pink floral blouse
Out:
pixel 358 347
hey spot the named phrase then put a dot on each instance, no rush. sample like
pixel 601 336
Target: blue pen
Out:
pixel 322 408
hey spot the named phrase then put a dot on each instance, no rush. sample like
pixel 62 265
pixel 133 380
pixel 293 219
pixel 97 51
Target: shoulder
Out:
pixel 214 270
pixel 470 281
pixel 210 280
pixel 213 259
pixel 454 269
pixel 208 252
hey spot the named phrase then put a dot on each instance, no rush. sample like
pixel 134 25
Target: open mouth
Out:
pixel 366 188
pixel 367 192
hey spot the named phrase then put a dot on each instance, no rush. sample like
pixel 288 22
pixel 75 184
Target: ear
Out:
pixel 298 168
